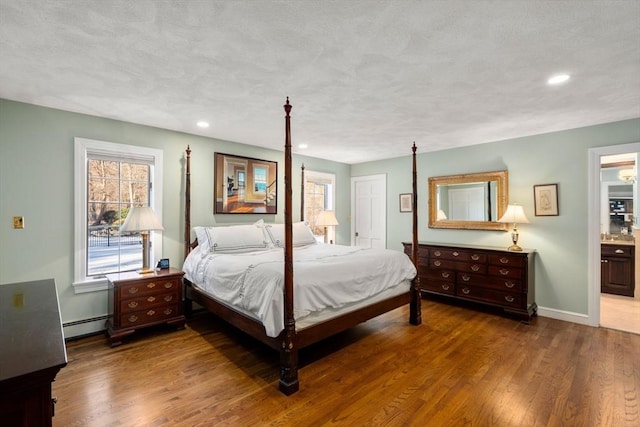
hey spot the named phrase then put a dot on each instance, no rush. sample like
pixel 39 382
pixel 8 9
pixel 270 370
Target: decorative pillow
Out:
pixel 302 234
pixel 235 238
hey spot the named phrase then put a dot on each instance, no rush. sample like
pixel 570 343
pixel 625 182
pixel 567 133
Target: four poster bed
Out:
pixel 222 261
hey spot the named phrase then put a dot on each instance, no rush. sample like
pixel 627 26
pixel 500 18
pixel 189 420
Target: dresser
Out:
pixel 141 300
pixel 486 275
pixel 32 352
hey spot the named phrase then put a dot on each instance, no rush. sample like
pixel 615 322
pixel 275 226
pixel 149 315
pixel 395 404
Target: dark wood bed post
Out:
pixel 415 307
pixel 187 204
pixel 302 193
pixel 288 352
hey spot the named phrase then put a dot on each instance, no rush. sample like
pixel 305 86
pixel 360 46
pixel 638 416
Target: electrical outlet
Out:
pixel 18 222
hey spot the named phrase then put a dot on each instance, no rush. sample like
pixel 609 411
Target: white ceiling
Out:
pixel 366 78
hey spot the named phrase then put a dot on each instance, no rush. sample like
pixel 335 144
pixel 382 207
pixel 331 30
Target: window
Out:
pixel 319 191
pixel 109 179
pixel 260 179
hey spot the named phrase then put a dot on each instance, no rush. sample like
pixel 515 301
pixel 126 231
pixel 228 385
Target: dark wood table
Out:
pixel 32 351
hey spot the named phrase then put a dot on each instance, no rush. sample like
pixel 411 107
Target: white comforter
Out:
pixel 324 276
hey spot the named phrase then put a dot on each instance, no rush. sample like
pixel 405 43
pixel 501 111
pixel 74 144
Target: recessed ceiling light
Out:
pixel 558 79
pixel 202 124
pixel 303 146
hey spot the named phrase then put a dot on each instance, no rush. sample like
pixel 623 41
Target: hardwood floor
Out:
pixel 461 367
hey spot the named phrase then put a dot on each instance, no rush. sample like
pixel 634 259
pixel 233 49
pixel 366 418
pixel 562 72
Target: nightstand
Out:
pixel 140 300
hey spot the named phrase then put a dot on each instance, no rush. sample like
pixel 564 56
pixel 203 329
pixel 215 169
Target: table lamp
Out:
pixel 514 214
pixel 142 219
pixel 326 219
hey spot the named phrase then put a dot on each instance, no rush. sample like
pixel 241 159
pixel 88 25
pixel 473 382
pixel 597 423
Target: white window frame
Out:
pixel 331 202
pixel 83 149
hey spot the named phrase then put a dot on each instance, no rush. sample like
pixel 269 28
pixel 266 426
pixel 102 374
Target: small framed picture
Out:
pixel 545 198
pixel 406 202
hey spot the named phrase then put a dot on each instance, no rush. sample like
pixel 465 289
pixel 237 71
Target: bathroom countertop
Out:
pixel 618 242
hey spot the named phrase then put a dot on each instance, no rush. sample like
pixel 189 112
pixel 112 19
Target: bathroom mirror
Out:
pixel 472 201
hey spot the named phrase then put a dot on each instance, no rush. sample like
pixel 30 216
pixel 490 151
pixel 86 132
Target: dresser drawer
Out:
pixel 438 274
pixel 153 314
pixel 507 260
pixel 457 254
pixel 437 285
pixel 147 301
pixel 472 267
pixel 148 287
pixel 505 271
pixel 497 283
pixel 510 299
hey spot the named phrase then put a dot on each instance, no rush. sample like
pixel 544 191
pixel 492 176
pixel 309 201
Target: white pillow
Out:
pixel 201 236
pixel 236 239
pixel 302 234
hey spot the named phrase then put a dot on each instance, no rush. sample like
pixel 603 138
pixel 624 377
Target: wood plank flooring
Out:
pixel 461 367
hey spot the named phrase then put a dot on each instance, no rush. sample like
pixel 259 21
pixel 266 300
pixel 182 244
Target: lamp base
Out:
pixel 514 248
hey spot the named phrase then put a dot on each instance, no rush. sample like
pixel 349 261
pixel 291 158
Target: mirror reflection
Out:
pixel 470 201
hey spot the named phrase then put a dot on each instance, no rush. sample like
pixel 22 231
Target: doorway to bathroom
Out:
pixel 616 295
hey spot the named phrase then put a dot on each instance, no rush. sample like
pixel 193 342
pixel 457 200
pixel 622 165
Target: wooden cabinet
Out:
pixel 32 352
pixel 617 269
pixel 141 300
pixel 486 275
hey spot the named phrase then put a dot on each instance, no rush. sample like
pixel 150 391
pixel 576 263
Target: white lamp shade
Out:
pixel 326 218
pixel 141 219
pixel 514 214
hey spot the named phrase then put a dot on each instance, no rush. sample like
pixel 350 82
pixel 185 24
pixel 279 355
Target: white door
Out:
pixel 369 211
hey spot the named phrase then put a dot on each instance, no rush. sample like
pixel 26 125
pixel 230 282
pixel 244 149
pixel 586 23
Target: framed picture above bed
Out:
pixel 244 185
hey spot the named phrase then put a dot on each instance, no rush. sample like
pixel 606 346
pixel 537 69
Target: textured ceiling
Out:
pixel 366 78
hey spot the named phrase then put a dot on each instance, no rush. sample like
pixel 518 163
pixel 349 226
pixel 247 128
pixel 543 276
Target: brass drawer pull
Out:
pixel 509 284
pixel 133 290
pixel 151 285
pixel 466 278
pixel 133 318
pixel 504 271
pixel 466 291
pixel 151 313
pixel 619 251
pixel 445 287
pixel 475 257
pixel 475 267
pixel 437 253
pixel 437 263
pixel 133 304
pixel 456 253
pixel 445 274
pixel 509 298
pixel 168 298
pixel 168 311
pixel 504 260
pixel 151 299
pixel 168 285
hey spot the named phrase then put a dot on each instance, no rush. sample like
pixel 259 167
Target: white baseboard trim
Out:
pixel 567 316
pixel 84 327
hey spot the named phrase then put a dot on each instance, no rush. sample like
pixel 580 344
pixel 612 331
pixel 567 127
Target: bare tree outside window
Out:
pixel 114 187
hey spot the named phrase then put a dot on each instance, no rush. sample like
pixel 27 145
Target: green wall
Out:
pixel 560 242
pixel 36 181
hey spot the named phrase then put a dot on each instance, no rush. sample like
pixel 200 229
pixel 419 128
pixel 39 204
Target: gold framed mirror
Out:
pixel 473 201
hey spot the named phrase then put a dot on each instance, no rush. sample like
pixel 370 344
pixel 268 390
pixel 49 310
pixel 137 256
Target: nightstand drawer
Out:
pixel 144 317
pixel 147 301
pixel 148 287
